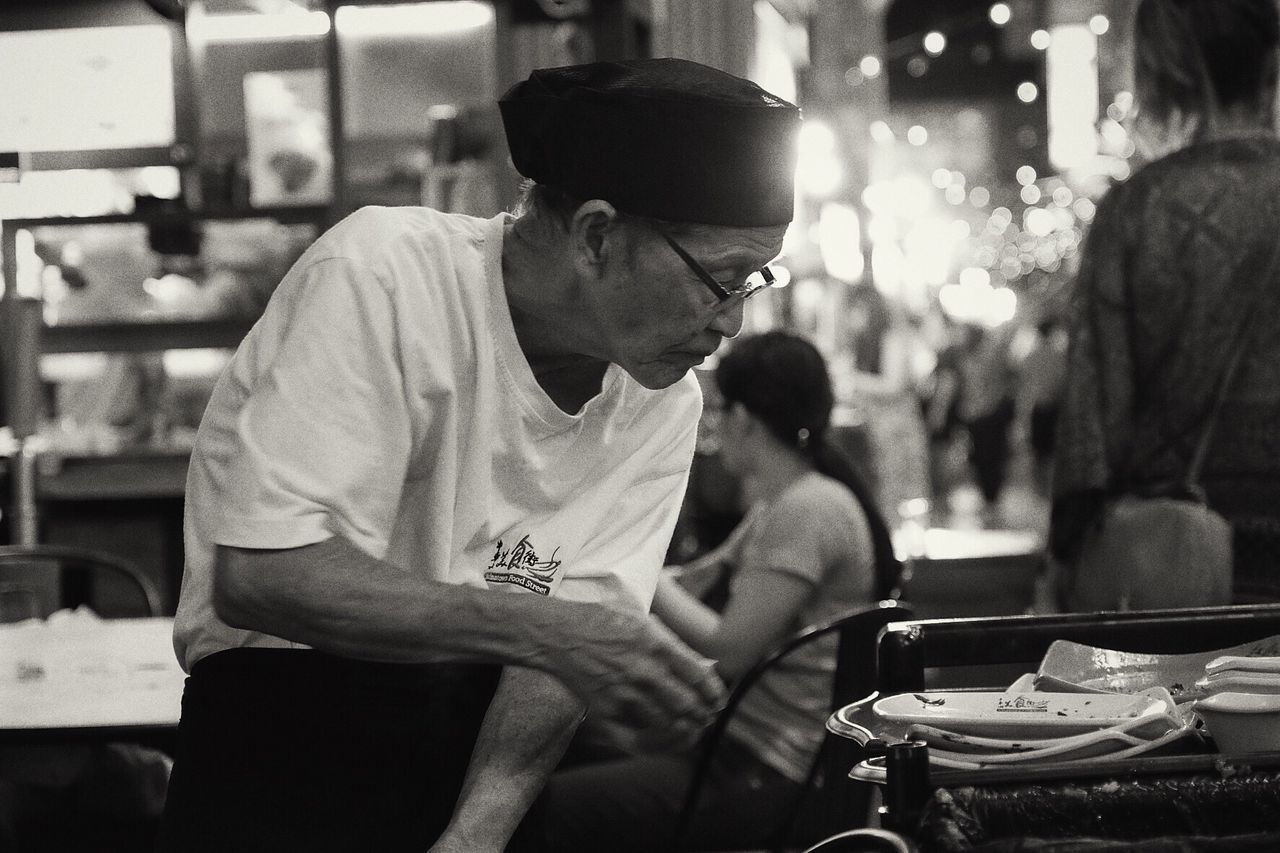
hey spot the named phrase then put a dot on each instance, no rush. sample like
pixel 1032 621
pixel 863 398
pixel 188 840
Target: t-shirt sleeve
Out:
pixel 321 442
pixel 805 533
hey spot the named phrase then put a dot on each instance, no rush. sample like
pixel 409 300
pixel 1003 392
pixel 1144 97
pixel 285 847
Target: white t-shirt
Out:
pixel 383 396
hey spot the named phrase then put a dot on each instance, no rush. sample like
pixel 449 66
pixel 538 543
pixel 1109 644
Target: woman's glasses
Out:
pixel 754 283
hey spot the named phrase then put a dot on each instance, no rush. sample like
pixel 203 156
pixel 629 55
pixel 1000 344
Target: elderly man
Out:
pixel 433 490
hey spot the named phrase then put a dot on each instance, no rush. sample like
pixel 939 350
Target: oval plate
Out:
pixel 1072 667
pixel 1027 715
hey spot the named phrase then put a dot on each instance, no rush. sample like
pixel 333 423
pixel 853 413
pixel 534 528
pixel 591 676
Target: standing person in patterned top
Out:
pixel 1174 264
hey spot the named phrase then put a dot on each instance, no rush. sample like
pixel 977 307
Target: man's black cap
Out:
pixel 664 138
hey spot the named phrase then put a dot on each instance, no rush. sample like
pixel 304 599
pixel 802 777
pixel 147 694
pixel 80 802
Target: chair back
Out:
pixel 910 653
pixel 866 840
pixel 36 580
pixel 827 800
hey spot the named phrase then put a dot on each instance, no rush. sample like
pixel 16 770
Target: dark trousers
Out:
pixel 631 805
pixel 299 750
pixel 1044 430
pixel 989 449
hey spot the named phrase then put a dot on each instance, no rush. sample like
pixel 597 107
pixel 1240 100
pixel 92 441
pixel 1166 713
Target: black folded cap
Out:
pixel 665 138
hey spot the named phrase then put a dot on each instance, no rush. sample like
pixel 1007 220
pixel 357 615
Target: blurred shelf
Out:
pixel 129 475
pixel 284 215
pixel 144 336
pixel 122 476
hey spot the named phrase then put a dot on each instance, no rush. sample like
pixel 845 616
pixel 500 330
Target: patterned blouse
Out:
pixel 1173 266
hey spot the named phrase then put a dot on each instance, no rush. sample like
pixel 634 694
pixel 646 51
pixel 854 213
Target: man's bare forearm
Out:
pixel 529 724
pixel 335 598
pixel 693 621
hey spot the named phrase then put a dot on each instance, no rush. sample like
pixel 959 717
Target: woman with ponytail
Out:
pixel 811 546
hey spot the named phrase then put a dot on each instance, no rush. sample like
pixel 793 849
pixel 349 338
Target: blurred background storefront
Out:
pixel 163 162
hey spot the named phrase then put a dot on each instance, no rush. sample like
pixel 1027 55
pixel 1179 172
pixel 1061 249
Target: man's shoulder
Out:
pixel 407 244
pixel 380 224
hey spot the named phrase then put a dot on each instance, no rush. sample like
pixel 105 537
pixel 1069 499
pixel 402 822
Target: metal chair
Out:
pixel 864 841
pixel 828 801
pixel 61 576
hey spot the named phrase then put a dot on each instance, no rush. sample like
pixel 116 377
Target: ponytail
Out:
pixel 834 463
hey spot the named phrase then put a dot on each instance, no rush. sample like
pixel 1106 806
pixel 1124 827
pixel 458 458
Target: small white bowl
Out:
pixel 1242 722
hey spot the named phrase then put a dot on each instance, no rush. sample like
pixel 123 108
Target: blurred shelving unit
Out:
pixel 406 114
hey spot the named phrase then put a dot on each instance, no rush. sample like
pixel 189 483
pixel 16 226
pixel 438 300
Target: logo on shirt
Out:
pixel 520 565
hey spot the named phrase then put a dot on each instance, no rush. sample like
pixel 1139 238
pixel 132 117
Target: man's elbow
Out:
pixel 236 599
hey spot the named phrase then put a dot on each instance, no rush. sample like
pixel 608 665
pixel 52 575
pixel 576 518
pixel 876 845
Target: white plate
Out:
pixel 1030 715
pixel 1235 681
pixel 1025 683
pixel 1069 666
pixel 1257 665
pixel 870 770
pixel 1081 753
pixel 1132 732
pixel 873 769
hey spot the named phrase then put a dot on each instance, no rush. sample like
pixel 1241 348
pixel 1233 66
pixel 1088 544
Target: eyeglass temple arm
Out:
pixel 697 268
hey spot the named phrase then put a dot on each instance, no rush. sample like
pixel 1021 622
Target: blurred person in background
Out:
pixel 986 407
pixel 811 546
pixel 1173 266
pixel 431 495
pixel 940 406
pixel 885 385
pixel 1042 376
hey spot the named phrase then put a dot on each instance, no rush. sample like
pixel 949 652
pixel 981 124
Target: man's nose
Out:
pixel 729 322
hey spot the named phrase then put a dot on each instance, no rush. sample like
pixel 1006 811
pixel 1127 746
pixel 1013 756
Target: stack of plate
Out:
pixel 967 730
pixel 1241 705
pixel 1236 674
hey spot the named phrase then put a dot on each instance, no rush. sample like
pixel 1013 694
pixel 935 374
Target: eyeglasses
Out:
pixel 756 282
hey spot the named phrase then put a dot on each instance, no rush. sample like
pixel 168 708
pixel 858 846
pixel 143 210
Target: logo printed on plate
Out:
pixel 1021 704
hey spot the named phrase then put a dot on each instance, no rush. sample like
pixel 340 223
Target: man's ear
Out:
pixel 593 235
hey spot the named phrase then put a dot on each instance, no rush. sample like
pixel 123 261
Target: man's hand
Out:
pixel 627 667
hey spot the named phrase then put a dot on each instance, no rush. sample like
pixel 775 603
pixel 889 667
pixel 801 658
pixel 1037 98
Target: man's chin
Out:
pixel 657 375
